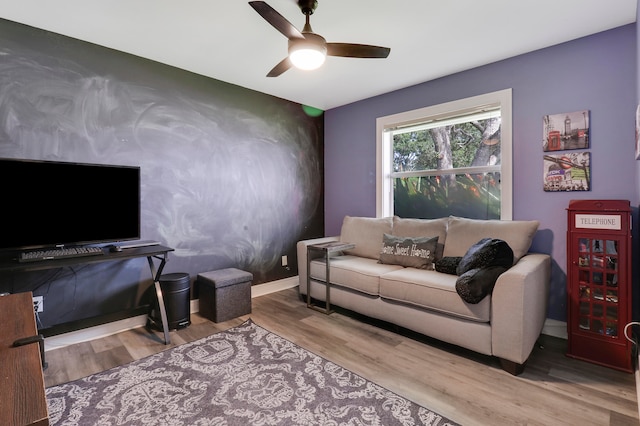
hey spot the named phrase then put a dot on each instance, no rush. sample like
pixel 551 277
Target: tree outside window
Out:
pixel 437 154
pixel 447 160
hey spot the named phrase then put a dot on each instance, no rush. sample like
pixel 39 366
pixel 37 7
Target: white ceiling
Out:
pixel 229 41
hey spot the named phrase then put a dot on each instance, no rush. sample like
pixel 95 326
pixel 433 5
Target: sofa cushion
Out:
pixel 357 273
pixel 432 290
pixel 366 233
pixel 415 252
pixel 475 284
pixel 422 228
pixel 462 233
pixel 485 253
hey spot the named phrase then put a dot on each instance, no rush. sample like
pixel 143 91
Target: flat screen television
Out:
pixel 47 204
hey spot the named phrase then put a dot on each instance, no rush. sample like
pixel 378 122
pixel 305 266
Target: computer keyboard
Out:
pixel 59 253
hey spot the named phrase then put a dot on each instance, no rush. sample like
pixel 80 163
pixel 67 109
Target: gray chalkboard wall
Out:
pixel 230 177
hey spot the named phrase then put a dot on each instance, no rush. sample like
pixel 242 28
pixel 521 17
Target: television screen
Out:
pixel 51 203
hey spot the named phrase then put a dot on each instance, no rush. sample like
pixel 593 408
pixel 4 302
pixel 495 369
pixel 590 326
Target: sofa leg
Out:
pixel 511 367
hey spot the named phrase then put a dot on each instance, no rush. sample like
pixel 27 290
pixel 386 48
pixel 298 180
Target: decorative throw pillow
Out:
pixel 475 284
pixel 415 252
pixel 486 252
pixel 448 265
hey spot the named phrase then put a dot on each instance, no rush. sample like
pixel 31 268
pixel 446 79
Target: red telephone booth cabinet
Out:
pixel 599 282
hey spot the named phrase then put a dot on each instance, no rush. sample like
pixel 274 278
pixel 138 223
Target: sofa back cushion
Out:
pixel 422 228
pixel 366 233
pixel 462 233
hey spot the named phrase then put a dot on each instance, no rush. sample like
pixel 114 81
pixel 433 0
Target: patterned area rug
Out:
pixel 242 376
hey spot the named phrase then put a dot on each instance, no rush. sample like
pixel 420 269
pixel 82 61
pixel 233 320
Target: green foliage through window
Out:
pixel 452 168
pixel 466 195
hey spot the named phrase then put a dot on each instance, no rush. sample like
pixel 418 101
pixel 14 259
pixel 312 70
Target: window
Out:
pixel 447 159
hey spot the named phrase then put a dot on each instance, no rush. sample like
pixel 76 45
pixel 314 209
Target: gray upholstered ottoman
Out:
pixel 224 294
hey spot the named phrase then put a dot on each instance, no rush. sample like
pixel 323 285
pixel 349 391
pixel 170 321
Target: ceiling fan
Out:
pixel 308 50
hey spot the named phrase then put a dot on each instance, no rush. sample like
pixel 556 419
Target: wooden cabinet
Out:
pixel 599 282
pixel 23 400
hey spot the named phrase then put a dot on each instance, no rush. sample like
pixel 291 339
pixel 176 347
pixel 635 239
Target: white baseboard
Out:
pixel 555 328
pixel 551 327
pixel 84 335
pixel 274 286
pixel 103 330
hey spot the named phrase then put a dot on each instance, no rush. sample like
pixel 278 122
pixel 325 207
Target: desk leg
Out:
pixel 156 282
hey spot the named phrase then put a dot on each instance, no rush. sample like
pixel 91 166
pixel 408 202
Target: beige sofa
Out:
pixel 505 324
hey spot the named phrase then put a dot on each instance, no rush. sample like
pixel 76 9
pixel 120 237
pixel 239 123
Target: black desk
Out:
pixel 156 252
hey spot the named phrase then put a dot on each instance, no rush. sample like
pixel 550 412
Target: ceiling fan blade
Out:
pixel 278 21
pixel 282 66
pixel 351 50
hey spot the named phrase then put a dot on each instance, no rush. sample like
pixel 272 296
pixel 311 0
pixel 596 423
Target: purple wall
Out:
pixel 638 56
pixel 596 73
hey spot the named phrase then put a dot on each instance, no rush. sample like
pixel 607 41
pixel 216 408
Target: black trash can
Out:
pixel 176 291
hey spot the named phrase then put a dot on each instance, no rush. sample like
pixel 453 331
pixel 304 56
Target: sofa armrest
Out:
pixel 519 307
pixel 301 248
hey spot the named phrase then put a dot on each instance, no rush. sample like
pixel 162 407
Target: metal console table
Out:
pixel 326 250
pixel 151 252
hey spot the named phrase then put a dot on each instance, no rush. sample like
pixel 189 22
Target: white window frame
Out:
pixel 384 158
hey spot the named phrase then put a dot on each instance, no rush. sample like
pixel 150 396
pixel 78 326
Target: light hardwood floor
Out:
pixel 464 386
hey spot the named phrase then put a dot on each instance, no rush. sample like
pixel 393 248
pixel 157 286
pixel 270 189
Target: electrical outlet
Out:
pixel 38 303
pixel 284 261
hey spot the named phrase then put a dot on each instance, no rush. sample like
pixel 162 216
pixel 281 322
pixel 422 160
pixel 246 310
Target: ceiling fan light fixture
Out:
pixel 308 50
pixel 307 59
pixel 307 54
